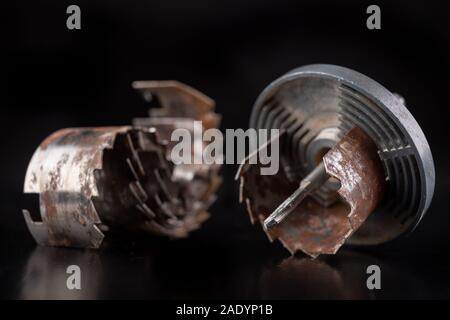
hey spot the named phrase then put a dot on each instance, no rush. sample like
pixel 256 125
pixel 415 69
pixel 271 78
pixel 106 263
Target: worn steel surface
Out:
pixel 317 104
pixel 179 107
pixel 62 172
pixel 313 228
pixel 177 100
pixel 94 182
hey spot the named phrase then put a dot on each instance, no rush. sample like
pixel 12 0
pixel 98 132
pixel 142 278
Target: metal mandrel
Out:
pixel 355 166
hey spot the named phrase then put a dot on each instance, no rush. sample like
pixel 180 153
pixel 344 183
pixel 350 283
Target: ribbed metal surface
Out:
pixel 299 135
pixel 395 152
pixel 310 99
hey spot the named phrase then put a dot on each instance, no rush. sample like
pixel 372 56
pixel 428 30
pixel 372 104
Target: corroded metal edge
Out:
pixel 62 171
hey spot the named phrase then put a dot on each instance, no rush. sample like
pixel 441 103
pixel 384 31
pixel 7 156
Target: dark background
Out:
pixel 52 78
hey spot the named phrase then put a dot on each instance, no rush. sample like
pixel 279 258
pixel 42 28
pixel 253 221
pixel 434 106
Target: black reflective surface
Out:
pixel 198 269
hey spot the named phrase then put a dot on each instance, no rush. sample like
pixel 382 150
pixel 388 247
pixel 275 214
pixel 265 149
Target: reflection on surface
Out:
pixel 45 274
pixel 183 270
pixel 303 279
pixel 104 275
pixel 342 276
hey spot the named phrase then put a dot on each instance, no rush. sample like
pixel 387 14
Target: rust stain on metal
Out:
pixel 354 161
pixel 311 227
pixel 179 100
pixel 99 181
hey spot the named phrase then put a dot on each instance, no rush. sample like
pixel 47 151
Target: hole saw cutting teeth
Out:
pixel 99 182
pixel 355 165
